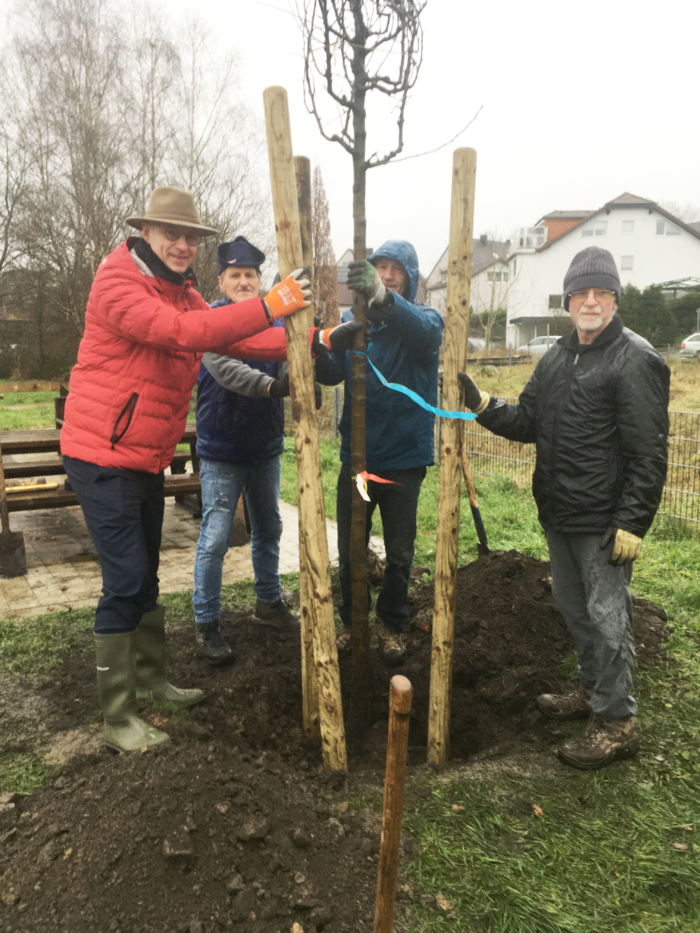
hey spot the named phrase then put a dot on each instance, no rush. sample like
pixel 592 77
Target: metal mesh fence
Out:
pixel 489 454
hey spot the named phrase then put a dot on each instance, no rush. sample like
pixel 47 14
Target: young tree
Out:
pixel 354 48
pixel 325 266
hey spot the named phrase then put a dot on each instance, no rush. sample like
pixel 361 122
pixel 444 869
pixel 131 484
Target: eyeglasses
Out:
pixel 583 293
pixel 173 234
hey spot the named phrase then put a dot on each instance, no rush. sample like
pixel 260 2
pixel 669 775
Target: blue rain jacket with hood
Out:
pixel 405 348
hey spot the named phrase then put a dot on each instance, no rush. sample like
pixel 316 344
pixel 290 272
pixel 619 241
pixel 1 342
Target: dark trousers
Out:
pixel 123 512
pixel 594 598
pixel 397 506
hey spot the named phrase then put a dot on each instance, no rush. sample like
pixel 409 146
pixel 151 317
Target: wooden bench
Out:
pixel 182 485
pixel 29 469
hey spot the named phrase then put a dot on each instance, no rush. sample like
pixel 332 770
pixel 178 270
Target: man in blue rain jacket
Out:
pixel 404 343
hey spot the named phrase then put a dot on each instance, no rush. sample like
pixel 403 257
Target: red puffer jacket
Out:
pixel 139 359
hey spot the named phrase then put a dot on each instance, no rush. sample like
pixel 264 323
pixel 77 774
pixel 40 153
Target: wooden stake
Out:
pixel 455 343
pixel 311 510
pixel 400 697
pixel 309 683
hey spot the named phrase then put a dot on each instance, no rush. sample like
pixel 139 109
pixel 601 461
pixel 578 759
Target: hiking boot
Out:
pixel 343 640
pixel 149 658
pixel 277 612
pixel 604 741
pixel 392 645
pixel 564 706
pixel 212 645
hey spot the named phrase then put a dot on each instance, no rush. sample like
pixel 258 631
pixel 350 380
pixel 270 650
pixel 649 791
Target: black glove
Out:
pixel 470 391
pixel 279 388
pixel 318 393
pixel 378 312
pixel 338 339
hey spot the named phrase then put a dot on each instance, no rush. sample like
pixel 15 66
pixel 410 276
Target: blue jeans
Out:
pixel 397 505
pixel 222 484
pixel 594 598
pixel 123 512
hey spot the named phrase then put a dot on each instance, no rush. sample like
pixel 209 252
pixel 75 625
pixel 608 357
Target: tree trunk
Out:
pixel 358 548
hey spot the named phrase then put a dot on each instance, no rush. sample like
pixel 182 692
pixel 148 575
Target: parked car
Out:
pixel 476 343
pixel 691 346
pixel 538 345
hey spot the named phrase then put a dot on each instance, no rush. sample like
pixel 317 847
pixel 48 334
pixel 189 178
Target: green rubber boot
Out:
pixel 116 685
pixel 149 652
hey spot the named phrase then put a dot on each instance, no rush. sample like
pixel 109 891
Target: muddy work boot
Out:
pixel 116 689
pixel 564 706
pixel 604 741
pixel 391 645
pixel 212 644
pixel 277 612
pixel 149 656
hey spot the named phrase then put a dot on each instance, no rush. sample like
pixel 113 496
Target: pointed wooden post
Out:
pixel 455 360
pixel 309 683
pixel 311 511
pixel 400 698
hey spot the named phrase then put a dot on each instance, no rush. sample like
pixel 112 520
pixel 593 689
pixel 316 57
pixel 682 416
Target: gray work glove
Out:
pixel 364 279
pixel 338 339
pixel 626 546
pixel 474 398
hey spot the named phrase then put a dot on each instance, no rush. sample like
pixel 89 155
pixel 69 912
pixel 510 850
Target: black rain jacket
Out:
pixel 599 417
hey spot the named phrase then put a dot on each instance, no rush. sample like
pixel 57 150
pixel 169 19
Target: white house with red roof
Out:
pixel 650 247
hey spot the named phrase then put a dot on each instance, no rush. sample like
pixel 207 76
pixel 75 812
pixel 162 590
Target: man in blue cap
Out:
pixel 240 425
pixel 404 344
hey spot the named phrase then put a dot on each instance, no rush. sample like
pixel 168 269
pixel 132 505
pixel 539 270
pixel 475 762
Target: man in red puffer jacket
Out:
pixel 146 328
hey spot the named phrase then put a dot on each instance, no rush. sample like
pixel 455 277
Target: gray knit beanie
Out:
pixel 591 268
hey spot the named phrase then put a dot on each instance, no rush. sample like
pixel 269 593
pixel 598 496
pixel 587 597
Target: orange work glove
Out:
pixel 289 296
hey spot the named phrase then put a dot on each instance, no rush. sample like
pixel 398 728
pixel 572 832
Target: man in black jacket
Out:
pixel 596 406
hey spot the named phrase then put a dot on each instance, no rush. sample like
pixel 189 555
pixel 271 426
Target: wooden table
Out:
pixel 48 440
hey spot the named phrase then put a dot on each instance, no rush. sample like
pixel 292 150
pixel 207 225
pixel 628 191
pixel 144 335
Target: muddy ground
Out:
pixel 234 826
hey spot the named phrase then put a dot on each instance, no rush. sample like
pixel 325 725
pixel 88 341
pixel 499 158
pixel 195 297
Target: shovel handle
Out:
pixel 3 500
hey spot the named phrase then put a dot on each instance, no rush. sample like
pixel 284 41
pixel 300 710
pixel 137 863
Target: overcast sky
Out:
pixel 581 102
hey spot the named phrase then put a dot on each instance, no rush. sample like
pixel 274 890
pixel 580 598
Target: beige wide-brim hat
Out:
pixel 172 206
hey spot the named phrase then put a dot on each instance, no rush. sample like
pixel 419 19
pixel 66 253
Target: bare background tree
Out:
pixel 688 212
pixel 325 279
pixel 100 107
pixel 354 48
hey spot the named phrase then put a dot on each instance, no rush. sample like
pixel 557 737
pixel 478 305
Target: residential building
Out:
pixel 490 276
pixel 649 245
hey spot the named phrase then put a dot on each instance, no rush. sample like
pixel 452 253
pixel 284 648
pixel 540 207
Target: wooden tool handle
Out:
pixel 4 515
pixel 400 699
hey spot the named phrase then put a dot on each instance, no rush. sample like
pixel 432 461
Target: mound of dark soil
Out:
pixel 234 826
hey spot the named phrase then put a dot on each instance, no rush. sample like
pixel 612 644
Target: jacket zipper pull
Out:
pixel 576 360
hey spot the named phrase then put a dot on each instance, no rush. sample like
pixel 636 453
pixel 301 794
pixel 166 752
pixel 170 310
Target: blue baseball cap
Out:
pixel 239 252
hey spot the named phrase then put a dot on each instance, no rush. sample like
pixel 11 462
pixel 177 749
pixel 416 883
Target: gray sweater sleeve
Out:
pixel 236 376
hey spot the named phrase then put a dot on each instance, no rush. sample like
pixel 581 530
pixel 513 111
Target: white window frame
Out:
pixel 626 263
pixel 630 224
pixel 598 228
